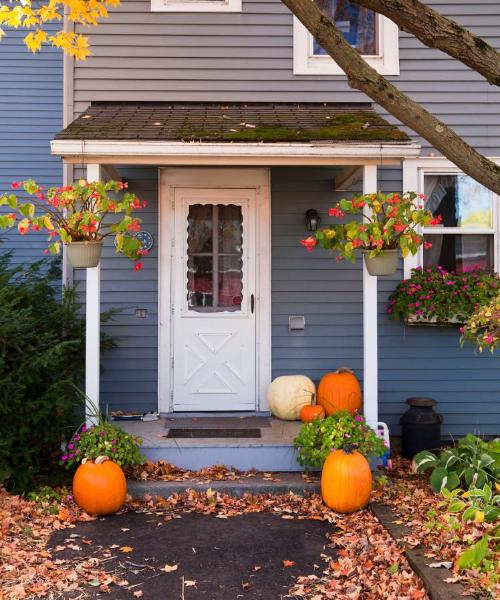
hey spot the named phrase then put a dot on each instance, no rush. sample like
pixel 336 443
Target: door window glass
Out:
pixel 215 258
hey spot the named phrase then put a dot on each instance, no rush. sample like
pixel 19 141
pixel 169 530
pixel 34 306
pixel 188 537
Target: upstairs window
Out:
pixel 196 5
pixel 374 36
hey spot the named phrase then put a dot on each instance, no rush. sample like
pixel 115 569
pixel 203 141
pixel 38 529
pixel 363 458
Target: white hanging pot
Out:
pixel 382 264
pixel 84 255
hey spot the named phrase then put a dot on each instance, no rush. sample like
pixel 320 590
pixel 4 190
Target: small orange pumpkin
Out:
pixel 99 487
pixel 312 411
pixel 340 391
pixel 346 481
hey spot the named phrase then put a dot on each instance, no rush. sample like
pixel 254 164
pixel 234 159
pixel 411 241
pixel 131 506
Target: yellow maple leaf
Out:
pixel 34 40
pixel 126 549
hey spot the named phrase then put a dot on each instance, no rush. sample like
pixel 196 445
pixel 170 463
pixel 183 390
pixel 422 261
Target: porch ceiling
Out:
pixel 257 132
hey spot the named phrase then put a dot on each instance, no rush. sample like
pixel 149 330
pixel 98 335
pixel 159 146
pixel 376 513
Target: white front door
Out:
pixel 213 290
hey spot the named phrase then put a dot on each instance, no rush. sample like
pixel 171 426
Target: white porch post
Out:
pixel 370 332
pixel 93 325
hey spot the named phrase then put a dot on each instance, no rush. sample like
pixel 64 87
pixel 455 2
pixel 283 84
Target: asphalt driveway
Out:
pixel 190 556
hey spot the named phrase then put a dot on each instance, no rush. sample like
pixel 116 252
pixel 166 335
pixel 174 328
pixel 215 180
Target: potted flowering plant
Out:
pixel 434 296
pixel 388 224
pixel 80 216
pixel 483 327
pixel 100 451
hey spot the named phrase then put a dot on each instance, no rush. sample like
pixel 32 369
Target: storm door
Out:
pixel 214 300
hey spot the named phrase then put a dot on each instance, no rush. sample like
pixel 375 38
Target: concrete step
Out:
pixel 273 451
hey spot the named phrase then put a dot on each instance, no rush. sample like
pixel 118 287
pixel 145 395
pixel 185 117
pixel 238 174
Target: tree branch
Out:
pixel 438 31
pixel 366 79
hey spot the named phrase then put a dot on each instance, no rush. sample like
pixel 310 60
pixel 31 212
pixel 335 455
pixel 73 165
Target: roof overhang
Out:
pixel 224 153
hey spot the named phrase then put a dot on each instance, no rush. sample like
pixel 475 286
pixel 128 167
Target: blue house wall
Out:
pixel 31 112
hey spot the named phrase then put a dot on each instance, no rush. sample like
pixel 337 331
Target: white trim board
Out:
pixel 196 153
pixel 200 6
pixel 259 180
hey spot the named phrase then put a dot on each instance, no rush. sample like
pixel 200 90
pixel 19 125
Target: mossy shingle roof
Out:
pixel 234 122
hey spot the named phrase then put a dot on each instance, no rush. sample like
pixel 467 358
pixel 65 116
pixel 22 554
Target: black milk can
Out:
pixel 421 427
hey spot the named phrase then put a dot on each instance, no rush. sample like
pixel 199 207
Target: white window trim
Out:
pixel 196 6
pixel 414 171
pixel 305 63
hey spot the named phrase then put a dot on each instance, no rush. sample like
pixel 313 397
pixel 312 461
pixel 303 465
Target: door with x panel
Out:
pixel 214 300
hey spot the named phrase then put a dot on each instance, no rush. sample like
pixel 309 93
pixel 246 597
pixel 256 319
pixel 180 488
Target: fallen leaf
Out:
pixel 126 549
pixel 125 529
pixel 189 583
pixel 256 568
pixel 138 593
pixel 288 563
pixel 169 568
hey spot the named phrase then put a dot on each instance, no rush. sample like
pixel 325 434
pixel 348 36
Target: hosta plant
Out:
pixel 471 463
pixel 437 295
pixel 385 222
pixel 483 327
pixel 318 438
pixel 81 212
pixel 475 504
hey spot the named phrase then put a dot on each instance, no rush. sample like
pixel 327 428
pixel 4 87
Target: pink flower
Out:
pixel 71 446
pixel 138 266
pixel 489 339
pixel 335 212
pixel 15 185
pixel 84 429
pixel 309 243
pixel 64 457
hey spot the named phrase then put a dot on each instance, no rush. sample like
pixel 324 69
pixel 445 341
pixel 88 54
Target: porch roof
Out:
pixel 258 130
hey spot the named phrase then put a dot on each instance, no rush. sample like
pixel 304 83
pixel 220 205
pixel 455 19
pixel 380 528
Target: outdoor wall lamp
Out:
pixel 312 219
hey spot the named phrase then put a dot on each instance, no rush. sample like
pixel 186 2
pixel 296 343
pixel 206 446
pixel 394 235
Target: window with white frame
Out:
pixel 373 35
pixel 468 234
pixel 196 5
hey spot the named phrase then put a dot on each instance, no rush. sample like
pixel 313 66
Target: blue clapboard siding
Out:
pixel 428 361
pixel 129 380
pixel 327 293
pixel 31 112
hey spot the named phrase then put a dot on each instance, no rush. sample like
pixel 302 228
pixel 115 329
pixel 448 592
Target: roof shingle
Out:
pixel 234 122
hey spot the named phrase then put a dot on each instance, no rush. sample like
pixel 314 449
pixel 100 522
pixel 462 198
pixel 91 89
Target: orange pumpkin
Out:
pixel 99 487
pixel 312 411
pixel 346 481
pixel 340 391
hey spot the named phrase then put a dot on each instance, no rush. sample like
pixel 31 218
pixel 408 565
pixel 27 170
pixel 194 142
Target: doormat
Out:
pixel 213 433
pixel 222 422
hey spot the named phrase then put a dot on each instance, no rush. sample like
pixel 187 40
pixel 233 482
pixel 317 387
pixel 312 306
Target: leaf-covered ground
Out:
pixel 45 553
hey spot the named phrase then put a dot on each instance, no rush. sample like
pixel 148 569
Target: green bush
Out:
pixel 472 463
pixel 42 339
pixel 317 439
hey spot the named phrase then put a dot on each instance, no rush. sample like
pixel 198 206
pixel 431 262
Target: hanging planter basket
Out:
pixel 382 264
pixel 84 255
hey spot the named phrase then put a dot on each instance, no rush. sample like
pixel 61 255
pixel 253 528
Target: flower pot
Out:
pixel 84 255
pixel 382 264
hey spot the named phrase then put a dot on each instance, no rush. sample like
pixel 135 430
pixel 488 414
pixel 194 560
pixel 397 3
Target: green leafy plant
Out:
pixel 391 223
pixel 482 329
pixel 474 504
pixel 81 212
pixel 42 341
pixel 101 439
pixel 318 438
pixel 437 295
pixel 471 463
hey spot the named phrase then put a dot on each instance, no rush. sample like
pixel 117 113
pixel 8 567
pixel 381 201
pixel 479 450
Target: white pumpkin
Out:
pixel 288 394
